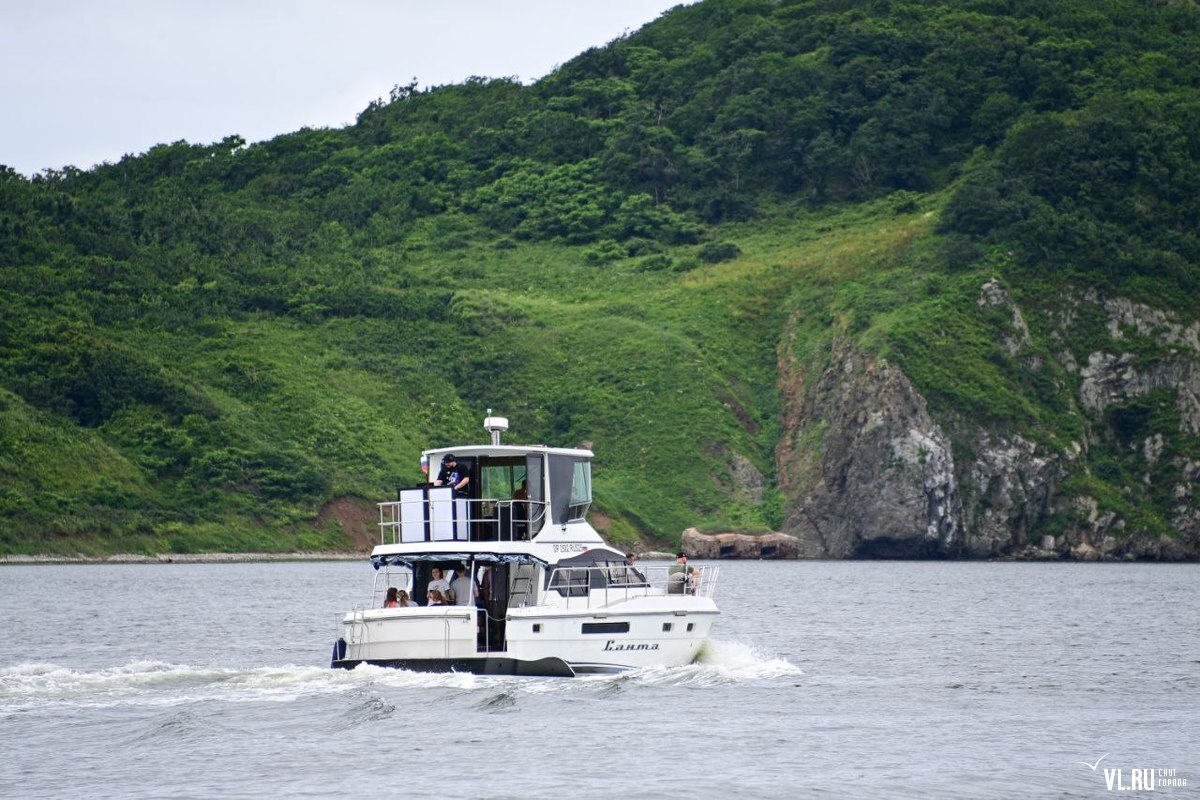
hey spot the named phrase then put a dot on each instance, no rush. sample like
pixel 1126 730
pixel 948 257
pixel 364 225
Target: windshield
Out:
pixel 581 490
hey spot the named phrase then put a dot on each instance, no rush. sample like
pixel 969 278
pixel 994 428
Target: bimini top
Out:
pixel 405 559
pixel 551 547
pixel 436 454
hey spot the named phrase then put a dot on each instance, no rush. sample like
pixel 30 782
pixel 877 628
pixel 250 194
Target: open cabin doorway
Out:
pixel 511 490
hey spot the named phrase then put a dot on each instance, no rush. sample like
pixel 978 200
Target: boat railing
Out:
pixel 592 587
pixel 436 515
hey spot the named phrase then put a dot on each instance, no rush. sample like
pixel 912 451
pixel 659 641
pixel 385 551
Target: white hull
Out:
pixel 645 644
pixel 616 639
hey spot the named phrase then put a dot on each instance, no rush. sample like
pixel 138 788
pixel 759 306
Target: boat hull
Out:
pixel 541 668
pixel 649 632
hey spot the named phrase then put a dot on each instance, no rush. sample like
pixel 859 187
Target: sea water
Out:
pixel 823 679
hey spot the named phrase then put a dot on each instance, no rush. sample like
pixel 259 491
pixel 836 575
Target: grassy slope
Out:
pixel 666 371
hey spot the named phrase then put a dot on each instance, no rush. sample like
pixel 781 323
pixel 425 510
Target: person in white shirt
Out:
pixel 462 588
pixel 438 582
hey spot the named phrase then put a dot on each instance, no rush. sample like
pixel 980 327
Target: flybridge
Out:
pixel 511 493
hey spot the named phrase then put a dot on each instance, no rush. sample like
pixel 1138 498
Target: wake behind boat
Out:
pixel 532 588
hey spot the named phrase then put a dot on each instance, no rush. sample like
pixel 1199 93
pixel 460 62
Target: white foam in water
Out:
pixel 404 679
pixel 720 664
pixel 27 686
pixel 154 683
pixel 742 661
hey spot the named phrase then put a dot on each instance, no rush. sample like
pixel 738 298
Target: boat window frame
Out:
pixel 570 480
pixel 577 576
pixel 581 482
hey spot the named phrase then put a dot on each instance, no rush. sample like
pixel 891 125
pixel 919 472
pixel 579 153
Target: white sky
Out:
pixel 86 81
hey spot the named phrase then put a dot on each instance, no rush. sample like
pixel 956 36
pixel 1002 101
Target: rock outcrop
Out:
pixel 867 470
pixel 1012 484
pixel 739 545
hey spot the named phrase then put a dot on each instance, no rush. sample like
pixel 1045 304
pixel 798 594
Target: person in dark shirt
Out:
pixel 454 475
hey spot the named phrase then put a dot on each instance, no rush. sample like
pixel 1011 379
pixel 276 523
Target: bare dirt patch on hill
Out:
pixel 357 517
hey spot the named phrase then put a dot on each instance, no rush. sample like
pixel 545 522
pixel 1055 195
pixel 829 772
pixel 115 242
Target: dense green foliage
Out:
pixel 202 345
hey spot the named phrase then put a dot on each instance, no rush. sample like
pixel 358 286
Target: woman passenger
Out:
pixel 392 600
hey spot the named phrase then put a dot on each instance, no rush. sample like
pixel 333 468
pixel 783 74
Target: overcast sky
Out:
pixel 86 81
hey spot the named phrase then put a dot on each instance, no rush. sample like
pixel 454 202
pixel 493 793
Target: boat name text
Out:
pixel 612 645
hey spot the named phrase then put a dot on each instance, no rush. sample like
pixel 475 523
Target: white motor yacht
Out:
pixel 538 590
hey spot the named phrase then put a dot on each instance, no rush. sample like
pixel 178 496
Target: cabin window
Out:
pixel 620 573
pixel 667 627
pixel 570 582
pixel 499 478
pixel 508 507
pixel 570 488
pixel 576 577
pixel 581 490
pixel 606 627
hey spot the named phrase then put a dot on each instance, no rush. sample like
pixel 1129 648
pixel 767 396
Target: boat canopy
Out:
pixel 407 559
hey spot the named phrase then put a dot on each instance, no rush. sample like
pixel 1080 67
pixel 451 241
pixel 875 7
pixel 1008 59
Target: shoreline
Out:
pixel 182 558
pixel 252 558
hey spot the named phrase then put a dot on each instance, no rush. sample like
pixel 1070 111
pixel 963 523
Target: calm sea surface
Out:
pixel 833 679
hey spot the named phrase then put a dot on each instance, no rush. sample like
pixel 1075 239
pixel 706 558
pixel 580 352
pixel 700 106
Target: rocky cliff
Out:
pixel 870 469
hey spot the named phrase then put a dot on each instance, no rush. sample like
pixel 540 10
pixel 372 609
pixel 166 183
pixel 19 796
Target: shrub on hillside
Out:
pixel 716 252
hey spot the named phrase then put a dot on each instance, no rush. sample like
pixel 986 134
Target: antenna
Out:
pixel 495 426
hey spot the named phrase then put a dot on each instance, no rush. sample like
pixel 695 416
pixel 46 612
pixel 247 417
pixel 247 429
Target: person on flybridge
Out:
pixel 453 475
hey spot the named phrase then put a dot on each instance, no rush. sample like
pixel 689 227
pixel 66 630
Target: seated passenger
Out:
pixel 514 515
pixel 681 577
pixel 436 598
pixel 391 601
pixel 438 582
pixel 405 601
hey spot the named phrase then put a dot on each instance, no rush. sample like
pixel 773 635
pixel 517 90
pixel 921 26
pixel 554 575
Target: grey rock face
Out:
pixel 1111 380
pixel 870 473
pixel 867 471
pixel 748 479
pixel 1125 314
pixel 1017 338
pixel 1013 485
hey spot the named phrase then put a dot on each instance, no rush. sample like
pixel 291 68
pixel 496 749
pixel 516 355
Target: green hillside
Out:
pixel 202 346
